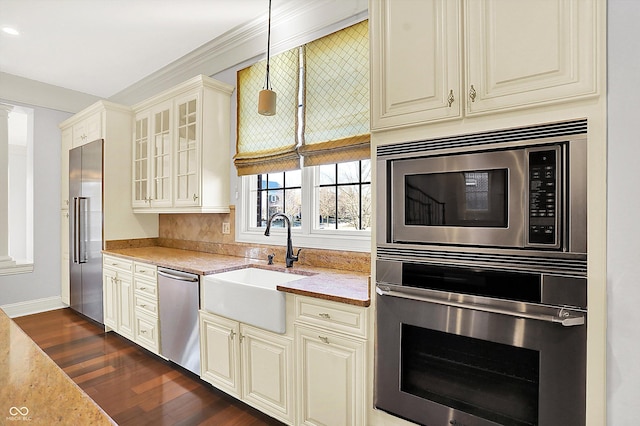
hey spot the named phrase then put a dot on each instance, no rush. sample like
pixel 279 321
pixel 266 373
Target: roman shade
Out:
pixel 267 144
pixel 336 107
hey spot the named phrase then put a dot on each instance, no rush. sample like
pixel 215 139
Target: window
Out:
pixel 330 206
pixel 20 190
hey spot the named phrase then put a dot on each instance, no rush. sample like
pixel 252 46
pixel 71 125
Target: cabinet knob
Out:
pixel 231 334
pixel 195 197
pixel 472 94
pixel 451 98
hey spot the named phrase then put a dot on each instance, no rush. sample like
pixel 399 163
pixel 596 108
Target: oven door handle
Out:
pixel 564 316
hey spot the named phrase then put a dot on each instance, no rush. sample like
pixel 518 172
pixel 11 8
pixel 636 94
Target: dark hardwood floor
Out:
pixel 132 385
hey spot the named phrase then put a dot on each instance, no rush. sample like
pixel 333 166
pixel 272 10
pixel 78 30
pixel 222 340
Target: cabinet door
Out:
pixel 141 165
pixel 87 130
pixel 161 155
pixel 267 372
pixel 187 151
pixel 330 378
pixel 415 69
pixel 521 53
pixel 125 306
pixel 219 352
pixel 64 265
pixel 110 295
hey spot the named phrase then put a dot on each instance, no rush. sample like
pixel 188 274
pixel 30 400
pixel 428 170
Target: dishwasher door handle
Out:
pixel 178 277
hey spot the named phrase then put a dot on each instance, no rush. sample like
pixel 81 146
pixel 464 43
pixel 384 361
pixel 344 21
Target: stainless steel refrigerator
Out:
pixel 85 229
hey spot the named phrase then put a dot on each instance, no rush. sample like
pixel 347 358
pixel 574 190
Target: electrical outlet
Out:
pixel 226 228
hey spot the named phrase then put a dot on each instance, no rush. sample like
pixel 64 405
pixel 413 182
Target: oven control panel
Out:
pixel 543 197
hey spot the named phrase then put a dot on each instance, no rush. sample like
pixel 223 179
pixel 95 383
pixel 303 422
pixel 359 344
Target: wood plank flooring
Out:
pixel 132 385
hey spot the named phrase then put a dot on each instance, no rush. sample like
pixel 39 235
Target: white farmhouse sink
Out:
pixel 249 295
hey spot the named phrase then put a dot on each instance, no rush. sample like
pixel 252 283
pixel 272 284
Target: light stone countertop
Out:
pixel 34 390
pixel 330 284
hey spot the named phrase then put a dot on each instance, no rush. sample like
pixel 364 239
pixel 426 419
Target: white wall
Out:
pixel 623 233
pixel 44 281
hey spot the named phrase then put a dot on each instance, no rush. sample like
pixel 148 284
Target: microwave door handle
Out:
pixel 564 316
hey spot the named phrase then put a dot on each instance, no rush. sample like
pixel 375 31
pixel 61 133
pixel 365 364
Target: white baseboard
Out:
pixel 29 307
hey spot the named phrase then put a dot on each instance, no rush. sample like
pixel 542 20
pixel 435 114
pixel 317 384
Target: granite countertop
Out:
pixel 330 284
pixel 33 389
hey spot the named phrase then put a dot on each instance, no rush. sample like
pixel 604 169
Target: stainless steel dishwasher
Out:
pixel 179 296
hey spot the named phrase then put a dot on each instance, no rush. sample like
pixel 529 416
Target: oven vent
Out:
pixel 478 139
pixel 508 261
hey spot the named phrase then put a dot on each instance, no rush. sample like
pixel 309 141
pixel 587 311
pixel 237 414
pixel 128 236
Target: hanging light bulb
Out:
pixel 267 97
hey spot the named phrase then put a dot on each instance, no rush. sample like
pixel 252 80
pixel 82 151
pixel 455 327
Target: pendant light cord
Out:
pixel 268 46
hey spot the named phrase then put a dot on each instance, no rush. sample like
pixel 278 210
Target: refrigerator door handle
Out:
pixel 78 229
pixel 75 229
pixel 83 221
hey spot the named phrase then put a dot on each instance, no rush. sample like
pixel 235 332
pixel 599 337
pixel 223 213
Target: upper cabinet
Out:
pixel 181 149
pixel 434 60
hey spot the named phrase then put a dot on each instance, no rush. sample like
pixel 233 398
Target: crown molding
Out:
pixel 293 23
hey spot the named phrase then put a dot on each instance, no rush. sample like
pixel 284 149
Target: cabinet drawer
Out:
pixel 145 287
pixel 147 332
pixel 146 304
pixel 144 269
pixel 333 316
pixel 117 263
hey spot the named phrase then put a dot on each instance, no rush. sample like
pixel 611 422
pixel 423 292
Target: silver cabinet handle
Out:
pixel 325 316
pixel 231 334
pixel 472 94
pixel 195 197
pixel 324 339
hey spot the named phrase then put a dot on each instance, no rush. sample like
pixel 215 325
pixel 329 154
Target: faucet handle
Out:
pixel 270 258
pixel 297 253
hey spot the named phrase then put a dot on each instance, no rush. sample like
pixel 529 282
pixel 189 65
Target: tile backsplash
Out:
pixel 203 232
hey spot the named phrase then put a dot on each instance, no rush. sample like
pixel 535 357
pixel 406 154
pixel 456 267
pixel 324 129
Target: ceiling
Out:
pixel 101 47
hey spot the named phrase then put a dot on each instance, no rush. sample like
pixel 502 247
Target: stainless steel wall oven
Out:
pixel 481 289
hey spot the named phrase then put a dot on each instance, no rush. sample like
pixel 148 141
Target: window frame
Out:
pixel 304 236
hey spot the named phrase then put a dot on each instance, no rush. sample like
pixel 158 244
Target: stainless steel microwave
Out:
pixel 525 191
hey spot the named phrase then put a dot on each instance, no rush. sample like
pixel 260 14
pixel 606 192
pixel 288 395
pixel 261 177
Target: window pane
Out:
pixel 293 206
pixel 328 174
pixel 349 207
pixel 293 178
pixel 366 207
pixel 366 170
pixel 327 207
pixel 348 172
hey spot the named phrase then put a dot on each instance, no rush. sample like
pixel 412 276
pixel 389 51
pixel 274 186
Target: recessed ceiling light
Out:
pixel 11 31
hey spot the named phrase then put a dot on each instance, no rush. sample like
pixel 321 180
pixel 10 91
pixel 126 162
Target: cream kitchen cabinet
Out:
pixel 145 307
pixel 249 363
pixel 181 149
pixel 88 129
pixel 330 340
pixel 117 281
pixel 64 257
pixel 130 293
pixel 434 60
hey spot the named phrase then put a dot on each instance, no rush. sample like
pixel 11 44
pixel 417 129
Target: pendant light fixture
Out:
pixel 267 97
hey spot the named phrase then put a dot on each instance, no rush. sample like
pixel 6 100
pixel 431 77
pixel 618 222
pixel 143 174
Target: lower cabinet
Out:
pixel 325 353
pixel 254 365
pixel 117 280
pixel 131 301
pixel 330 363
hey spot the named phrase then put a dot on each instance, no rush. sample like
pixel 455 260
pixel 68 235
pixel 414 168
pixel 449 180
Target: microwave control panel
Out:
pixel 543 197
